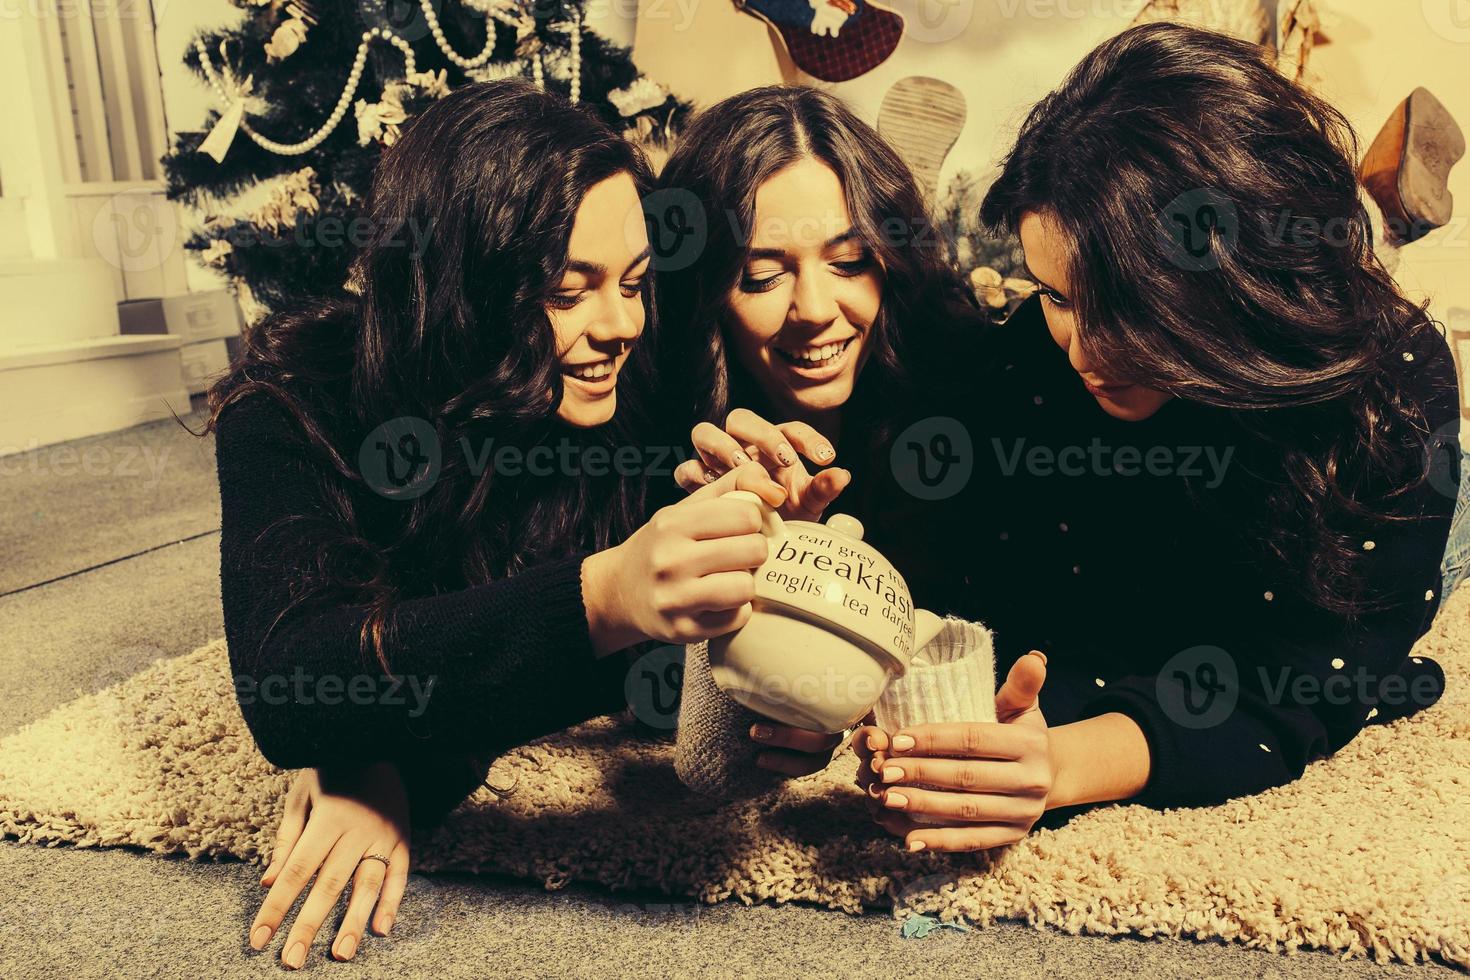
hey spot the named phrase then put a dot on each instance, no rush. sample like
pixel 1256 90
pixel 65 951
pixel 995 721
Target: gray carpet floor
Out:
pixel 109 566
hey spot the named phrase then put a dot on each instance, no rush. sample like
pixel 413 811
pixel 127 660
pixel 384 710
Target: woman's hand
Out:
pixel 686 575
pixel 793 751
pixel 746 437
pixel 987 782
pixel 334 818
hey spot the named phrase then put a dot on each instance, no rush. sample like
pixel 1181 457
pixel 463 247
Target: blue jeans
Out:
pixel 1456 565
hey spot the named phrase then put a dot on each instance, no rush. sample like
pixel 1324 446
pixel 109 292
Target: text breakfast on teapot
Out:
pixel 804 566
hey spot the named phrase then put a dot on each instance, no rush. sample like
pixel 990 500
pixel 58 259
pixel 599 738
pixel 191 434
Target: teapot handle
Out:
pixel 772 526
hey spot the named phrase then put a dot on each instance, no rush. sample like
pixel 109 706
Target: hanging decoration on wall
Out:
pixel 833 40
pixel 922 119
pixel 1290 26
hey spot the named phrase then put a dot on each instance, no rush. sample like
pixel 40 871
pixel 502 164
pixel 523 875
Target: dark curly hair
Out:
pixel 451 327
pixel 1271 304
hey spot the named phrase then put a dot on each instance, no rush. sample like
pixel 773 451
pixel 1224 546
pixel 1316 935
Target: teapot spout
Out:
pixel 927 626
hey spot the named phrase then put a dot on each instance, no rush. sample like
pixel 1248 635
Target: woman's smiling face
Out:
pixel 800 319
pixel 597 310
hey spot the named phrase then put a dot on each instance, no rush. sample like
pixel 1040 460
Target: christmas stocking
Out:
pixel 833 40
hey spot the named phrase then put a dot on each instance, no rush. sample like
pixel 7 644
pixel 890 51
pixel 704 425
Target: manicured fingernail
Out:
pixel 761 732
pixel 876 765
pixel 825 452
pixel 917 845
pixel 875 790
pixel 785 455
pixel 296 957
pixel 902 743
pixel 739 459
pixel 1039 654
pixel 873 743
pixel 896 800
pixel 892 774
pixel 347 947
pixel 260 937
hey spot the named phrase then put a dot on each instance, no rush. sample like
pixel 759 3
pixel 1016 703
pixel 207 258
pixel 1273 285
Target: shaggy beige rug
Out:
pixel 1366 854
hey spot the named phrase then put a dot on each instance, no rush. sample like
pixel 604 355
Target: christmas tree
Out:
pixel 311 91
pixel 994 265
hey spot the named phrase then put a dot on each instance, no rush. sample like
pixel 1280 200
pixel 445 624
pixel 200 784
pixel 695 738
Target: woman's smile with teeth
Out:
pixel 591 372
pixel 815 355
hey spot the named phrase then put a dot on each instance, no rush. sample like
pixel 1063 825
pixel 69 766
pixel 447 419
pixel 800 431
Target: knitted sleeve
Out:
pixel 1278 683
pixel 474 671
pixel 1235 720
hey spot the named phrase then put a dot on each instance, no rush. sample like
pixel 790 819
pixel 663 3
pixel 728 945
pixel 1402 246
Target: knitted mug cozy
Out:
pixel 714 754
pixel 951 679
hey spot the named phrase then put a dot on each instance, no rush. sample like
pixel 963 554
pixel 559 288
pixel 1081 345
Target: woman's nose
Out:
pixel 617 320
pixel 813 301
pixel 1077 356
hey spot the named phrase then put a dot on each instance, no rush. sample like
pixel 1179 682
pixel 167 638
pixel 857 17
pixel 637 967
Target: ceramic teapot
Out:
pixel 833 622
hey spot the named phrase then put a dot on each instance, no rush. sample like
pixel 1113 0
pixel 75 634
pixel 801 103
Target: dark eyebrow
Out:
pixel 850 234
pixel 597 269
pixel 647 251
pixel 593 269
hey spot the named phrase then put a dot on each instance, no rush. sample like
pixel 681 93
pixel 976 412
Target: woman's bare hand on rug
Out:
pixel 793 751
pixel 986 782
pixel 778 448
pixel 334 819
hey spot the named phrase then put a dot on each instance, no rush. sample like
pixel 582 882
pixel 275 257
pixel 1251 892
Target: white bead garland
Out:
pixel 434 28
pixel 538 74
pixel 524 26
pixel 576 55
pixel 340 110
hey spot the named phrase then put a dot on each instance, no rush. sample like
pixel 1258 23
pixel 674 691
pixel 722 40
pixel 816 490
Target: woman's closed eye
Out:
pixel 853 266
pixel 565 299
pixel 1053 297
pixel 766 280
pixel 760 282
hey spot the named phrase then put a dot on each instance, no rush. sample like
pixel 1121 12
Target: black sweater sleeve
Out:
pixel 1288 687
pixel 1282 682
pixel 475 671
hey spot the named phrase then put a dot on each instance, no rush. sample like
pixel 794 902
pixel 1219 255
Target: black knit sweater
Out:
pixel 1155 602
pixel 482 669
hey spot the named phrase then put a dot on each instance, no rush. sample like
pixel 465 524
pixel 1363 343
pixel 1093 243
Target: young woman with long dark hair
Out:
pixel 822 296
pixel 1232 452
pixel 433 538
